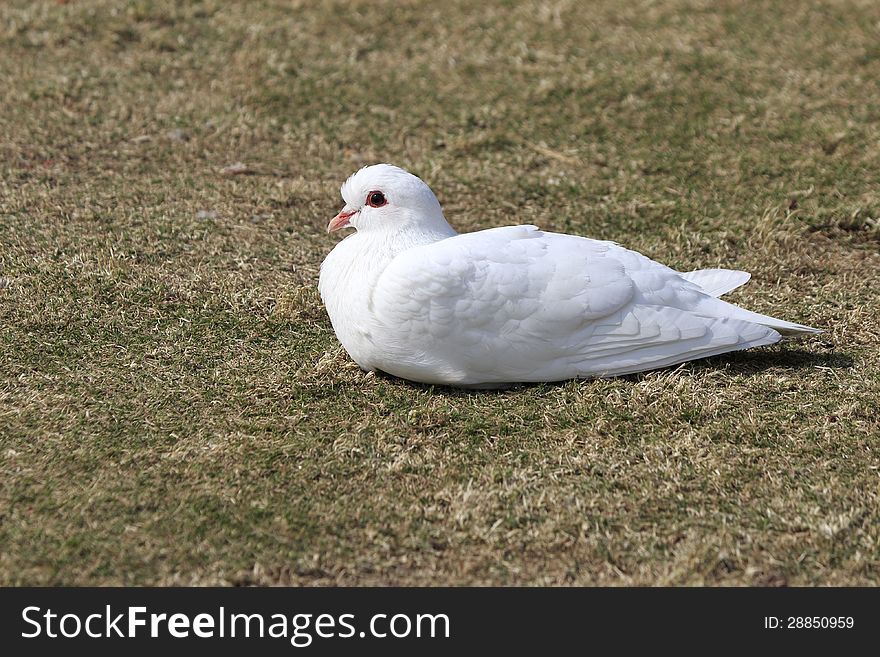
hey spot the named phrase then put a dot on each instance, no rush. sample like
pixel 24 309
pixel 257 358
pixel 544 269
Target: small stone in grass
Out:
pixel 206 214
pixel 177 135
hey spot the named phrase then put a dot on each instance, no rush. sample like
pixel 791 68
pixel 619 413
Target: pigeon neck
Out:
pixel 382 245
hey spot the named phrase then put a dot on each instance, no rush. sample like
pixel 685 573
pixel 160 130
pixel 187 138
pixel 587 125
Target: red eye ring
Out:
pixel 376 199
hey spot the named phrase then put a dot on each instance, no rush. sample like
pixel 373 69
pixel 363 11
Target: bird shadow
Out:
pixel 749 363
pixel 739 363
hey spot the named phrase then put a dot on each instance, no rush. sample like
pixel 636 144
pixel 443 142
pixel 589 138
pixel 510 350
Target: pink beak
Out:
pixel 341 220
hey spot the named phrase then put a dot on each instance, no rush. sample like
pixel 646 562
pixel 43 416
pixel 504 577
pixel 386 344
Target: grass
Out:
pixel 174 406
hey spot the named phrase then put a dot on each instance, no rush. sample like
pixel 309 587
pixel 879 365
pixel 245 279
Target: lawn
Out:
pixel 174 405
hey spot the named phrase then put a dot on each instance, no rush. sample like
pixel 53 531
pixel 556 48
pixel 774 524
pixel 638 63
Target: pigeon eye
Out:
pixel 376 199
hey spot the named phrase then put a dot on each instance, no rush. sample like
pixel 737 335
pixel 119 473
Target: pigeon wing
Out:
pixel 517 304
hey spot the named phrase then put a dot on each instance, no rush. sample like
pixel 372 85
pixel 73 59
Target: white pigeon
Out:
pixel 409 296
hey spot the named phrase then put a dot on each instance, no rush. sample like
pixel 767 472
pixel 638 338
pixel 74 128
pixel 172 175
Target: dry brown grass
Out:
pixel 174 407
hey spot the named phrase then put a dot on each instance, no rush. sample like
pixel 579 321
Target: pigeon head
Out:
pixel 384 199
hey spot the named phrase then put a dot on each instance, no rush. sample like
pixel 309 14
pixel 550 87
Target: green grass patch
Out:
pixel 174 406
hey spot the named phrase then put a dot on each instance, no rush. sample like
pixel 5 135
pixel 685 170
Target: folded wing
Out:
pixel 517 304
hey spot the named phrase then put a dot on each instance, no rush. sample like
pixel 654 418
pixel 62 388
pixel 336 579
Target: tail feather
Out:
pixel 717 282
pixel 780 325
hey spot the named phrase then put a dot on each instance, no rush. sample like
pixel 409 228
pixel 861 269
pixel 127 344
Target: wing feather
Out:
pixel 517 304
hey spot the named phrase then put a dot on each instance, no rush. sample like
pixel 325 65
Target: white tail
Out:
pixel 717 281
pixel 780 325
